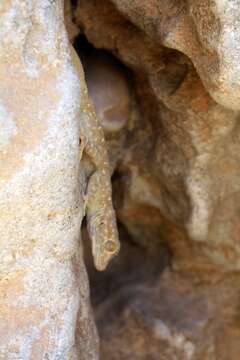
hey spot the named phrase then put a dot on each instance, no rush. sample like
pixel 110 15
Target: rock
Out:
pixel 176 180
pixel 206 31
pixel 170 319
pixel 109 90
pixel 180 140
pixel 71 27
pixel 44 301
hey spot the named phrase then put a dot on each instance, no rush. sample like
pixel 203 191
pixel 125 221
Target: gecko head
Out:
pixel 105 242
pixel 109 249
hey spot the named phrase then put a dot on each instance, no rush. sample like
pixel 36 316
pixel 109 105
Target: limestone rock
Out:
pixel 182 158
pixel 171 318
pixel 44 295
pixel 176 180
pixel 71 27
pixel 206 31
pixel 109 90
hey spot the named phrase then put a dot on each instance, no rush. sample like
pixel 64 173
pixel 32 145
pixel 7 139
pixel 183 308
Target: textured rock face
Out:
pixel 176 181
pixel 170 113
pixel 207 31
pixel 204 30
pixel 44 296
pixel 109 90
pixel 183 151
pixel 172 318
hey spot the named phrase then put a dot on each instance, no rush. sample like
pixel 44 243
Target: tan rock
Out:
pixel 170 320
pixel 109 90
pixel 182 137
pixel 206 31
pixel 177 181
pixel 44 297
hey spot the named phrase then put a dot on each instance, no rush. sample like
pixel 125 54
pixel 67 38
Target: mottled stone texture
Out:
pixel 176 156
pixel 44 295
pixel 184 148
pixel 169 105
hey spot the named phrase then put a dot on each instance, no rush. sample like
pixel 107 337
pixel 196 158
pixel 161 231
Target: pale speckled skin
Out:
pixel 101 217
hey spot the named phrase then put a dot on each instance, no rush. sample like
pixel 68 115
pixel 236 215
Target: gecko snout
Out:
pixel 110 249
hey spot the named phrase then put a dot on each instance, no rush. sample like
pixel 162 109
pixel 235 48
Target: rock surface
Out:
pixel 172 318
pixel 183 150
pixel 176 180
pixel 168 99
pixel 44 294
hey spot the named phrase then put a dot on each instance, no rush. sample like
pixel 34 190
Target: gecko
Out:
pixel 101 218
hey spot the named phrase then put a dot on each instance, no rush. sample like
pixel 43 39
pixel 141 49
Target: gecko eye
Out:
pixel 110 246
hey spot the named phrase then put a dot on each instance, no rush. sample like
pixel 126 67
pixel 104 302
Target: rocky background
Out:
pixel 164 78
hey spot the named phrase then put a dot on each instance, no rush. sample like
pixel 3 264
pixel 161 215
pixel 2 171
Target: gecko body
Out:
pixel 101 219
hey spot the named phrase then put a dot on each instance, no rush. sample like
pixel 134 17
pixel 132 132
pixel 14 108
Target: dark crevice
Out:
pixel 87 51
pixel 74 4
